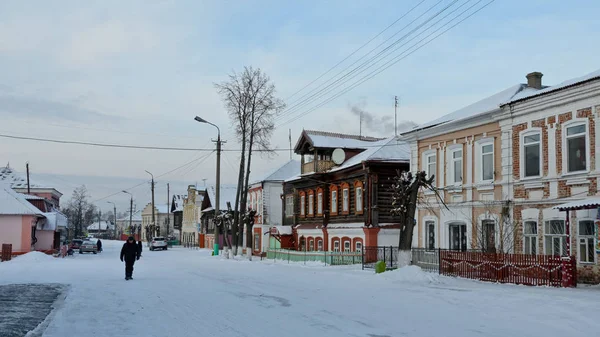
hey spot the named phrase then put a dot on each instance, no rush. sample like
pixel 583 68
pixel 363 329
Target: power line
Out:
pixel 393 61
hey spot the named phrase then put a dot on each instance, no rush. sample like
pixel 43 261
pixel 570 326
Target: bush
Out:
pixel 380 267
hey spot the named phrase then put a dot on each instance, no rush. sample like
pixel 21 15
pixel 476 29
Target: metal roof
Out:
pixel 587 203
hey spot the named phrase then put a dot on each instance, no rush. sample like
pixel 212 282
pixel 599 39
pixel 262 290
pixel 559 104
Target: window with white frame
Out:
pixel 586 239
pixel 334 201
pixel 532 150
pixel 302 204
pixel 456 166
pixel 311 245
pixel 487 161
pixel 358 199
pixel 530 237
pixel 430 164
pixel 311 204
pixel 555 237
pixel 346 246
pixel 576 148
pixel 358 247
pixel 430 235
pixel 336 246
pixel 289 205
pixel 345 200
pixel 320 245
pixel 320 203
pixel 259 207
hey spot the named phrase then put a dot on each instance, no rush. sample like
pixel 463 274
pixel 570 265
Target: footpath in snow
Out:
pixel 183 292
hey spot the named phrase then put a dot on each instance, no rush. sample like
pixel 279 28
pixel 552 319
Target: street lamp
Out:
pixel 130 209
pixel 115 213
pixel 153 219
pixel 218 187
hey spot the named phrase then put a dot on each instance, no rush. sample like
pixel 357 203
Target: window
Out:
pixel 488 236
pixel 531 155
pixel 334 201
pixel 302 204
pixel 576 148
pixel 555 238
pixel 345 200
pixel 530 237
pixel 358 247
pixel 257 242
pixel 311 245
pixel 487 162
pixel 289 205
pixel 430 164
pixel 586 248
pixel 336 246
pixel 311 204
pixel 359 202
pixel 319 202
pixel 458 236
pixel 320 245
pixel 456 167
pixel 259 203
pixel 347 246
pixel 430 235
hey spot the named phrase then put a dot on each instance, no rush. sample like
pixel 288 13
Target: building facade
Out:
pixel 162 217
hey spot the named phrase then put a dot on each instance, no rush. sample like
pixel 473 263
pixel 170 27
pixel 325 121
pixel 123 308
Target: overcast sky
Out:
pixel 137 72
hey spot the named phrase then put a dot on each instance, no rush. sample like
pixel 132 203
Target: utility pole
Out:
pixel 115 213
pixel 396 116
pixel 290 139
pixel 168 209
pixel 28 185
pixel 153 217
pixel 132 232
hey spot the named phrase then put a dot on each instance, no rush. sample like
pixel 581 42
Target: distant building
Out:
pixel 163 217
pixel 18 182
pixel 123 224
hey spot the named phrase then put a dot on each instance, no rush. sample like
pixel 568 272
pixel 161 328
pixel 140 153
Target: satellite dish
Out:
pixel 338 156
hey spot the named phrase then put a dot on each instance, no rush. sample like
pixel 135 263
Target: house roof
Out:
pixel 177 203
pixel 332 140
pixel 13 203
pixel 481 107
pixel 566 84
pixel 287 170
pixel 102 225
pixel 53 221
pixel 587 203
pixel 19 180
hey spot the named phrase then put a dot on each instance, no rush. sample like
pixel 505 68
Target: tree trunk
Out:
pixel 236 212
pixel 251 143
pixel 408 222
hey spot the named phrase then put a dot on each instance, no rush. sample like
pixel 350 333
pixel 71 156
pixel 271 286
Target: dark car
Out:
pixel 76 244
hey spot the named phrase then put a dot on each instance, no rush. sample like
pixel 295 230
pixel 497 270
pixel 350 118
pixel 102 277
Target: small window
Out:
pixel 320 245
pixel 311 245
pixel 320 203
pixel 358 247
pixel 311 204
pixel 347 246
pixel 289 205
pixel 334 201
pixel 456 166
pixel 530 237
pixel 431 165
pixel 430 233
pixel 302 204
pixel 487 162
pixel 576 148
pixel 336 246
pixel 257 242
pixel 555 238
pixel 345 200
pixel 586 238
pixel 531 155
pixel 359 200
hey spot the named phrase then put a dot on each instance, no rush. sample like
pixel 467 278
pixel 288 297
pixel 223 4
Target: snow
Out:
pixel 178 200
pixel 330 140
pixel 32 257
pixel 16 179
pixel 287 170
pixel 531 93
pixel 283 230
pixel 590 202
pixel 183 292
pixel 13 203
pixel 346 225
pixel 53 221
pixel 387 150
pixel 103 225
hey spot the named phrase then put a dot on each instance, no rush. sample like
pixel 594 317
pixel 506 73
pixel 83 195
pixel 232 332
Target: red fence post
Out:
pixel 568 269
pixel 6 252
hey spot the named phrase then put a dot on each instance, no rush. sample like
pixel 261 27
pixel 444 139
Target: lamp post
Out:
pixel 130 210
pixel 115 213
pixel 218 187
pixel 153 226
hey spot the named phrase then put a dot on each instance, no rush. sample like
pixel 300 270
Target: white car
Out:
pixel 158 243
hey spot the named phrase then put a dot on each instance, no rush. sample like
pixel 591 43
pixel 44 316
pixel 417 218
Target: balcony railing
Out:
pixel 322 166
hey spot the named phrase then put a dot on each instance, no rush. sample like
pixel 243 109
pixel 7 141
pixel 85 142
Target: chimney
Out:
pixel 534 80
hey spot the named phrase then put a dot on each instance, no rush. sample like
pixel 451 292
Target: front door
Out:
pixel 458 236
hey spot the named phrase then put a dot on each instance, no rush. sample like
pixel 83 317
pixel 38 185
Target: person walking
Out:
pixel 130 253
pixel 99 245
pixel 140 248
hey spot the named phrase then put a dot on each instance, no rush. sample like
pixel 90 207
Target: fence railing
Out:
pixel 426 259
pixel 388 254
pixel 327 258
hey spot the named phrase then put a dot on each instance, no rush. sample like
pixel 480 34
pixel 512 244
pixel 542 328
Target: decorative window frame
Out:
pixel 450 161
pixel 545 234
pixel 536 235
pixel 302 197
pixel 565 152
pixel 311 244
pixel 479 144
pixel 425 164
pixel 335 240
pixel 319 201
pixel 522 135
pixel 435 221
pixel 334 201
pixel 345 203
pixel 359 209
pixel 319 241
pixel 579 237
pixel 289 205
pixel 311 204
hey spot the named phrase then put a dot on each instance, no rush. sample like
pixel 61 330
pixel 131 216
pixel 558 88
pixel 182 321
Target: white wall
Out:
pixel 388 237
pixel 274 204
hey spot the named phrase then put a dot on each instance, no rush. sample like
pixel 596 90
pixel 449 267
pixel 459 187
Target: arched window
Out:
pixel 345 198
pixel 358 197
pixel 302 203
pixel 319 201
pixel 333 190
pixel 311 203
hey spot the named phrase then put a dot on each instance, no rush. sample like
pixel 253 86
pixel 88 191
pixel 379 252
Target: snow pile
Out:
pixel 33 257
pixel 411 274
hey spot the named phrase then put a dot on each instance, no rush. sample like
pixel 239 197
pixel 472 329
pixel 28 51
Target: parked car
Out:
pixel 88 247
pixel 158 242
pixel 75 244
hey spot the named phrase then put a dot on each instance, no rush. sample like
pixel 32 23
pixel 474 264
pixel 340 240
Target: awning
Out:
pixel 587 203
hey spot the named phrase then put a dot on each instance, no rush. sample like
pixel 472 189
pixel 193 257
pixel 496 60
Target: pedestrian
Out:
pixel 140 248
pixel 130 253
pixel 99 245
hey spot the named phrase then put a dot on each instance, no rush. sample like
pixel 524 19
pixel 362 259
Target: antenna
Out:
pixel 396 116
pixel 204 181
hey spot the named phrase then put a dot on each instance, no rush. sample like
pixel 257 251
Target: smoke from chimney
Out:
pixel 380 126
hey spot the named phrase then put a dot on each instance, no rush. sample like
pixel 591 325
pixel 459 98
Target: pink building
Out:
pixel 18 220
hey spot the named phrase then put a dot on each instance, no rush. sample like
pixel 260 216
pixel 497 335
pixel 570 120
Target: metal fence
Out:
pixel 388 254
pixel 426 259
pixel 327 258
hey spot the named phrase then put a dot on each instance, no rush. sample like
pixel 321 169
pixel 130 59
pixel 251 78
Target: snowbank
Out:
pixel 411 274
pixel 33 257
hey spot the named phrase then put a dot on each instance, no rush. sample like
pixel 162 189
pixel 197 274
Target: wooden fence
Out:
pixel 537 270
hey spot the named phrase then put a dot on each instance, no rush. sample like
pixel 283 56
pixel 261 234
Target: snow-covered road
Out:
pixel 184 292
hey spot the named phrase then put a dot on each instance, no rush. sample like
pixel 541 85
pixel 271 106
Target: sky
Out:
pixel 137 72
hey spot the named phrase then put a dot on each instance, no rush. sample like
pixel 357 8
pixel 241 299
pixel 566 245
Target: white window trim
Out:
pixel 565 153
pixel 359 208
pixel 303 204
pixel 319 249
pixel 334 201
pixel 435 224
pixel 554 235
pixel 334 245
pixel 356 246
pixel 289 206
pixel 349 246
pixel 522 136
pixel 425 164
pixel 450 160
pixel 320 203
pixel 585 236
pixel 346 201
pixel 311 204
pixel 536 235
pixel 479 160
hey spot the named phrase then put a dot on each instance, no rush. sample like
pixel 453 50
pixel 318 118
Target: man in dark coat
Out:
pixel 140 247
pixel 130 252
pixel 99 245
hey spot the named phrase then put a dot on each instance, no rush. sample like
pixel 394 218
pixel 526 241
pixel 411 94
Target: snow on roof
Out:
pixel 13 203
pixel 283 230
pixel 346 225
pixel 332 140
pixel 483 106
pixel 16 179
pixel 33 197
pixel 287 170
pixel 587 203
pixel 178 202
pixel 53 221
pixel 568 83
pixel 102 225
pixel 387 150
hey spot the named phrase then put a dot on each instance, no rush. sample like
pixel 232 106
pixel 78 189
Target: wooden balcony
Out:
pixel 322 166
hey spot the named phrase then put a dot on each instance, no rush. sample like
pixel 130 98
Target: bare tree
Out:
pixel 249 98
pixel 79 210
pixel 493 226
